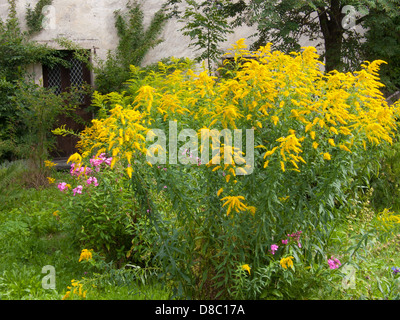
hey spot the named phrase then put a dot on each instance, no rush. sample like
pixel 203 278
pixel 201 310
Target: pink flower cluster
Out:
pixel 189 154
pixel 78 189
pixel 294 236
pixel 92 180
pixel 96 162
pixel 62 186
pixel 78 171
pixel 274 247
pixel 334 263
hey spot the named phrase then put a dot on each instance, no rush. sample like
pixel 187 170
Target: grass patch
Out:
pixel 32 236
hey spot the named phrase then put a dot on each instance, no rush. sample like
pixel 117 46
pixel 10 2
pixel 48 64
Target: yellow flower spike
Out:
pixel 216 168
pixel 327 156
pixel 268 153
pixel 128 156
pixel 129 170
pixel 343 147
pixel 219 192
pixel 331 142
pixel 49 164
pixel 246 267
pixel 287 262
pixel 75 158
pixel 67 295
pixel 234 203
pixel 282 166
pixel 50 180
pixel 113 162
pixel 333 129
pixel 85 255
pixel 275 119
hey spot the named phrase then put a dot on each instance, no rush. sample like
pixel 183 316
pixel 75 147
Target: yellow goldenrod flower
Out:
pixel 246 267
pixel 75 158
pixel 85 255
pixel 129 170
pixel 234 203
pixel 282 166
pixel 327 156
pixel 67 295
pixel 50 180
pixel 286 262
pixel 49 164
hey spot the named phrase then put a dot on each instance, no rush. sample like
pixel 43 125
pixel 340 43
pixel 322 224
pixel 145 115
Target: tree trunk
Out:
pixel 330 21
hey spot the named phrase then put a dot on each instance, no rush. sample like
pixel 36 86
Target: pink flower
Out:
pixel 334 263
pixel 285 241
pixel 80 170
pixel 108 161
pixel 62 186
pixel 274 247
pixel 92 180
pixel 96 161
pixel 78 189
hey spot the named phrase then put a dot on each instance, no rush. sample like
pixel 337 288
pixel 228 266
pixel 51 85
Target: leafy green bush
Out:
pixel 134 43
pixel 101 214
pixel 315 136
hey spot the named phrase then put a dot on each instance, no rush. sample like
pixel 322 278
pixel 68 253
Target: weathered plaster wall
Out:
pixel 90 23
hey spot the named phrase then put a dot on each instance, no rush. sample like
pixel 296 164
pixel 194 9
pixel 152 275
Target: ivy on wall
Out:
pixel 34 17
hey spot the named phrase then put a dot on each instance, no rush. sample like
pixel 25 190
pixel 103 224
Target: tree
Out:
pixel 207 26
pixel 383 42
pixel 284 22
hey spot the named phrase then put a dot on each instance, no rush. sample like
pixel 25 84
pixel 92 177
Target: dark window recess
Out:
pixel 61 78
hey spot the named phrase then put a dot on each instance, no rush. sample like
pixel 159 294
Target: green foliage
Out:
pixel 283 23
pixel 385 184
pixel 134 43
pixel 105 217
pixel 32 235
pixel 34 17
pixel 383 42
pixel 26 111
pixel 206 24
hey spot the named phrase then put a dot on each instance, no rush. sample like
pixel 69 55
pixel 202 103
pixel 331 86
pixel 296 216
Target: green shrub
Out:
pixel 317 138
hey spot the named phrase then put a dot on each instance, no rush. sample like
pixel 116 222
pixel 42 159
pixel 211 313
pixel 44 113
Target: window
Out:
pixel 61 78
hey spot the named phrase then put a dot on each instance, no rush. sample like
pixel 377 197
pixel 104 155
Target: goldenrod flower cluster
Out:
pixel 85 255
pixel 287 262
pixel 76 289
pixel 294 109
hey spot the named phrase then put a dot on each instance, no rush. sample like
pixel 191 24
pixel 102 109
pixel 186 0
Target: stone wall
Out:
pixel 90 23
